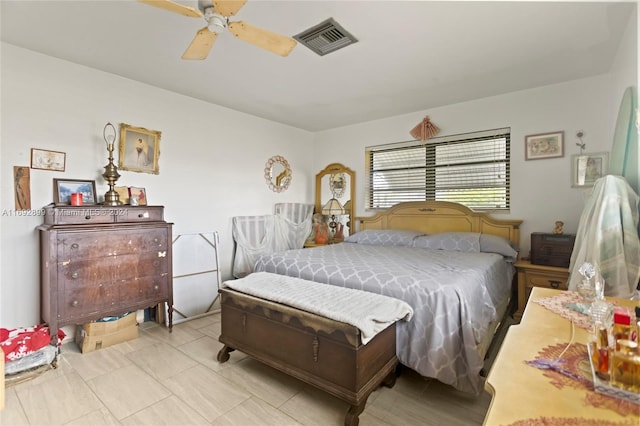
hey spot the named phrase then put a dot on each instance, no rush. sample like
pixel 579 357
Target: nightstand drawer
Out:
pixel 547 280
pixel 532 275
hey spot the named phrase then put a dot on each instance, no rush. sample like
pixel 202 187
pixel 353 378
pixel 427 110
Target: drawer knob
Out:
pixel 554 284
pixel 156 287
pixel 155 240
pixel 75 274
pixel 74 246
pixel 87 217
pixel 75 303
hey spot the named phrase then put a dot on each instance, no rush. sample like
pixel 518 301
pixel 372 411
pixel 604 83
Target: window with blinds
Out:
pixel 470 169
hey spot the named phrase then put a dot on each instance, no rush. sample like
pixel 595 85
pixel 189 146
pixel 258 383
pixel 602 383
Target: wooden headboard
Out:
pixel 432 217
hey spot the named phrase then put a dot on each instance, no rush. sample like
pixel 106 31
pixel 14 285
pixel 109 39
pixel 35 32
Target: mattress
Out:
pixel 455 296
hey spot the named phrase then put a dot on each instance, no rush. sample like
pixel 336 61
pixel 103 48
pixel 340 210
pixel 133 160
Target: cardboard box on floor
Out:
pixel 97 335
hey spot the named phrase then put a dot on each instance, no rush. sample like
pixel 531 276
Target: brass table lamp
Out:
pixel 111 175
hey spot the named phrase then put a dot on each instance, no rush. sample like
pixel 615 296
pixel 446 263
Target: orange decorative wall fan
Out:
pixel 217 13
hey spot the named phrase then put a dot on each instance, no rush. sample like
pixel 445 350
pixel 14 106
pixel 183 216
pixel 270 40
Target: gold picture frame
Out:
pixel 139 149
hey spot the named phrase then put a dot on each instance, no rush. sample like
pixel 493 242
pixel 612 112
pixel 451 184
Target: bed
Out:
pixel 452 265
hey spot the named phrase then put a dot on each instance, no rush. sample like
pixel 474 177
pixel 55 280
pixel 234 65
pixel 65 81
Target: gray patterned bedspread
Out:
pixel 454 295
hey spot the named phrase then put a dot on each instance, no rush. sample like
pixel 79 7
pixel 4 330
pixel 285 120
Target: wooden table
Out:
pixel 521 392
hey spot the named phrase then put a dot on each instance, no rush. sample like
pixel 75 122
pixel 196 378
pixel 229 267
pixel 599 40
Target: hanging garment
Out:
pixel 253 236
pixel 292 225
pixel 608 236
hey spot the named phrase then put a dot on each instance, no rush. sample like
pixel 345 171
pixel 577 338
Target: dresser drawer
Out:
pixel 111 242
pixel 79 300
pixel 78 215
pixel 548 280
pixel 140 214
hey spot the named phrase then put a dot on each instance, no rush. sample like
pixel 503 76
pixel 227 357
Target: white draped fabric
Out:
pixel 608 236
pixel 292 225
pixel 253 236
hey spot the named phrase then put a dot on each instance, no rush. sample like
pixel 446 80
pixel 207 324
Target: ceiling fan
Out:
pixel 217 13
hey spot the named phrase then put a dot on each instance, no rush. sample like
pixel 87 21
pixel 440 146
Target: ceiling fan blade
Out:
pixel 267 40
pixel 228 7
pixel 172 6
pixel 200 45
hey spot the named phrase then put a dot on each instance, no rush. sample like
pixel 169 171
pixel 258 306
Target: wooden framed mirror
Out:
pixel 337 183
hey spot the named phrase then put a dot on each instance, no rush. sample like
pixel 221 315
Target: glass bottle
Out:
pixel 601 311
pixel 625 366
pixel 621 326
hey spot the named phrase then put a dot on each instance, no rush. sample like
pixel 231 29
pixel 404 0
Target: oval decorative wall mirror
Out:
pixel 277 173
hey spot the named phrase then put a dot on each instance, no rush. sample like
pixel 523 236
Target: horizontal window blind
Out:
pixel 471 169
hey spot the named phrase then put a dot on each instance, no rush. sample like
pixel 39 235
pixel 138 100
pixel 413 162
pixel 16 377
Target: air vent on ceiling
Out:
pixel 326 37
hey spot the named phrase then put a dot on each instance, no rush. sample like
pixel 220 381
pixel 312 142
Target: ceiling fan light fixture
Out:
pixel 215 23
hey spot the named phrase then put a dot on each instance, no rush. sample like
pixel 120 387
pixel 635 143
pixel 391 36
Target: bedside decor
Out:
pixel 336 183
pixel 139 149
pixel 47 160
pixel 333 208
pixel 63 188
pixel 110 174
pixel 544 145
pixel 587 168
pixel 558 228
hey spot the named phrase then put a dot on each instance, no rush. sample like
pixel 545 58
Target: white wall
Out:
pixel 211 163
pixel 541 189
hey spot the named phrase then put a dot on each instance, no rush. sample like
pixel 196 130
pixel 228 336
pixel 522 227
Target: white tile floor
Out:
pixel 165 378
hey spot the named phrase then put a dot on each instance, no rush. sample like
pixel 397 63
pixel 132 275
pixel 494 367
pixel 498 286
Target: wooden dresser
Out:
pixel 99 261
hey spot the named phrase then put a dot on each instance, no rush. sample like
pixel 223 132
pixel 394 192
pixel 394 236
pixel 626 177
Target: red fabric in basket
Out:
pixel 19 342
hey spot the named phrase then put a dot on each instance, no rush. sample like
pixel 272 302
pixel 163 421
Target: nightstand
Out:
pixel 530 275
pixel 308 244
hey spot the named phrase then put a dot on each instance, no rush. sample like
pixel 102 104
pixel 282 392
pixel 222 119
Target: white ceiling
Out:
pixel 410 56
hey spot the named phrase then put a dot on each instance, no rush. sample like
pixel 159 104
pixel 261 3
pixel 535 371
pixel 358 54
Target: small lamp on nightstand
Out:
pixel 332 208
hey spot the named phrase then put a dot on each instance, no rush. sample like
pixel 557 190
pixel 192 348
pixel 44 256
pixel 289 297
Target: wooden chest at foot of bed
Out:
pixel 317 350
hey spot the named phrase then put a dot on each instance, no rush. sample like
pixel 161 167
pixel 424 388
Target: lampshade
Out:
pixel 332 207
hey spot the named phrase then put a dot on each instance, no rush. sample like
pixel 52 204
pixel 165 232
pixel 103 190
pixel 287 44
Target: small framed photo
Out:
pixel 123 193
pixel 63 188
pixel 48 160
pixel 544 145
pixel 587 168
pixel 139 149
pixel 137 196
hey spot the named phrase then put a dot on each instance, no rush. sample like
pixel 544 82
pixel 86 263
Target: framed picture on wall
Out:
pixel 587 168
pixel 139 149
pixel 48 160
pixel 544 145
